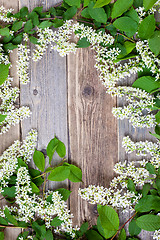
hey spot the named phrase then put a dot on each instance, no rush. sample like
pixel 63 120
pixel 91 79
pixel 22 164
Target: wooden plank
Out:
pixel 46 95
pixel 14 133
pixel 92 130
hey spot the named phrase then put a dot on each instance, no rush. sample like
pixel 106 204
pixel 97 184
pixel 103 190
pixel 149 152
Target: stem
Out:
pixel 126 37
pixel 44 185
pixel 51 169
pixel 124 225
pixel 52 18
pixel 11 226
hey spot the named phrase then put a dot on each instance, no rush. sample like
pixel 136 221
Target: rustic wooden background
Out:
pixel 67 99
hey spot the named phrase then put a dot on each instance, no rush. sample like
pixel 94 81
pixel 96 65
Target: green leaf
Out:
pixel 33 40
pixel 52 145
pixel 28 26
pixel 17 25
pixel 84 227
pixel 2 117
pixel 127 25
pixel 9 191
pixel 59 173
pixel 23 235
pixel 83 43
pixel 38 10
pixel 65 193
pixel 148 203
pixel 108 217
pixel 4 31
pixel 128 47
pixel 138 3
pixel 57 23
pixel 86 3
pixel 157 129
pixel 154 43
pixel 23 11
pixel 56 222
pixel 69 14
pixel 97 14
pixel 3 221
pixel 45 24
pixel 73 3
pixel 23 224
pixel 147 27
pixel 39 160
pixel 157 116
pixel 18 39
pixel 35 189
pixel 149 222
pixel 132 14
pixel 131 186
pixel 93 235
pixel 52 11
pixel 85 13
pixel 155 135
pixel 104 232
pixel 34 17
pixel 122 235
pixel 134 230
pixel 146 188
pixel 61 149
pixel 49 235
pixel 120 6
pixel 101 3
pixel 4 70
pixel 146 83
pixel 37 229
pixel 9 46
pixel 75 174
pixel 1 235
pixel 158 185
pixel 148 4
pixel 151 169
pixel 9 217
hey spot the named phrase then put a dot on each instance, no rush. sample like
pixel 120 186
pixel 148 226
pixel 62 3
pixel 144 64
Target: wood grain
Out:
pixel 92 130
pixel 46 95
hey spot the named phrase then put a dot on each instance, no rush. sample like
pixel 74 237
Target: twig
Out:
pixel 124 225
pixel 11 226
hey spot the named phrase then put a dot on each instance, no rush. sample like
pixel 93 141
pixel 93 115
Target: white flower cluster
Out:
pixel 143 149
pixel 23 63
pixel 3 15
pixel 8 96
pixel 118 195
pixel 148 58
pixel 138 110
pixel 156 235
pixel 62 39
pixel 9 158
pixel 142 13
pixel 30 205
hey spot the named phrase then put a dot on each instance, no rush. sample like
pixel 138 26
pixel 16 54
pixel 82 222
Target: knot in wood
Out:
pixel 88 91
pixel 35 92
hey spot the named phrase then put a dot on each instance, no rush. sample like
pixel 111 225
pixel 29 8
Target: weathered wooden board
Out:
pixel 67 99
pixel 92 129
pixel 46 94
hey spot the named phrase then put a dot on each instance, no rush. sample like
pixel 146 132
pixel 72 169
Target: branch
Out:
pixel 124 225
